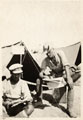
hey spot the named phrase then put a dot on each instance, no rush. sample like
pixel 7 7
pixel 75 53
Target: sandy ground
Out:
pixel 49 110
pixel 53 110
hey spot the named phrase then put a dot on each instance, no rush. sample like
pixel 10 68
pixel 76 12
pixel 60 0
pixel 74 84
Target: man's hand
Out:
pixel 27 99
pixel 41 74
pixel 15 103
pixel 11 103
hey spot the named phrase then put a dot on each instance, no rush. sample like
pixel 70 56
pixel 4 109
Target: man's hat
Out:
pixel 16 68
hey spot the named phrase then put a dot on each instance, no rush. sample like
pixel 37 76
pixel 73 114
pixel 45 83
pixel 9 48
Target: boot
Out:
pixel 70 100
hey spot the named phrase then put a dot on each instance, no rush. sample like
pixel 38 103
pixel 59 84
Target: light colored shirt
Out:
pixel 16 91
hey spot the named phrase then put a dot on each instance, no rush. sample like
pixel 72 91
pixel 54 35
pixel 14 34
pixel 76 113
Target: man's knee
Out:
pixel 39 81
pixel 29 109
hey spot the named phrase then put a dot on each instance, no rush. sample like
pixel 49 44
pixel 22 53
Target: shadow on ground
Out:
pixel 54 102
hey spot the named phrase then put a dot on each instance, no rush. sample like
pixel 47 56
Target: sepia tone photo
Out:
pixel 40 59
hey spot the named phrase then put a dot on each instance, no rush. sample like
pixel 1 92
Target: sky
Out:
pixel 38 22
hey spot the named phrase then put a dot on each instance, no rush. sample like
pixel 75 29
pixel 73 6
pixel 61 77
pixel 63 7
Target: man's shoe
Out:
pixel 38 103
pixel 72 114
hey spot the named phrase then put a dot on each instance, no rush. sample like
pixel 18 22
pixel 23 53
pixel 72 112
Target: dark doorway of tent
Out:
pixel 30 68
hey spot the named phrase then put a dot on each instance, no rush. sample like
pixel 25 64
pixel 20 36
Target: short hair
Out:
pixel 46 47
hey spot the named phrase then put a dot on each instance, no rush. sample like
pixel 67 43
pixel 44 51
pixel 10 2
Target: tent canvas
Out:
pixel 30 67
pixel 72 52
pixel 32 62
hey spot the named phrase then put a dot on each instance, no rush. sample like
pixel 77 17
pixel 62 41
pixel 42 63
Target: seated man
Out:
pixel 59 66
pixel 16 95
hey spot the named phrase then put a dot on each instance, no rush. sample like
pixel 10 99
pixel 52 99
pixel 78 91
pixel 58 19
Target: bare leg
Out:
pixel 39 89
pixel 70 100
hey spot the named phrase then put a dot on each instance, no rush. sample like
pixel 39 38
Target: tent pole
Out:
pixel 21 63
pixel 20 58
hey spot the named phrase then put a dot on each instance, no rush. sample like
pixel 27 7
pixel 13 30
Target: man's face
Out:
pixel 16 77
pixel 50 54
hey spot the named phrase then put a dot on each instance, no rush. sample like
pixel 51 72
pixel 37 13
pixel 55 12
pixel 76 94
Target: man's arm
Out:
pixel 43 68
pixel 26 92
pixel 64 59
pixel 68 76
pixel 66 66
pixel 11 102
